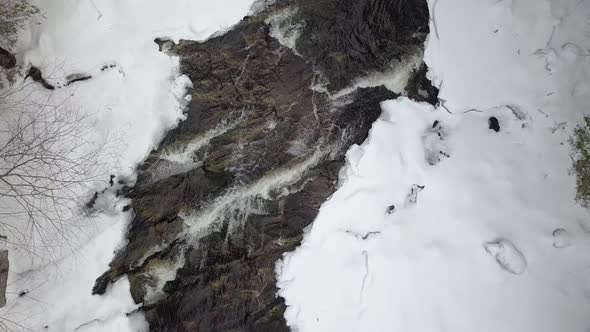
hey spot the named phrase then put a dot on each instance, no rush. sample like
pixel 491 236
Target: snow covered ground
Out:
pixel 134 95
pixel 494 240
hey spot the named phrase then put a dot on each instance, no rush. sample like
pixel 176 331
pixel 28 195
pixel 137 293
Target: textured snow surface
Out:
pixel 135 94
pixel 494 240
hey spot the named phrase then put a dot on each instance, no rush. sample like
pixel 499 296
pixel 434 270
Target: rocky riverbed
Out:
pixel 276 103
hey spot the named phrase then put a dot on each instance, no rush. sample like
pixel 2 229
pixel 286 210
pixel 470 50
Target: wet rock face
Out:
pixel 347 39
pixel 233 186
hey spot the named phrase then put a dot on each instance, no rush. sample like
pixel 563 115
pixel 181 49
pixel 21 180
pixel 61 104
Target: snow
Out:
pixel 134 95
pixel 561 238
pixel 507 255
pixel 58 295
pixel 142 80
pixel 495 240
pixel 485 234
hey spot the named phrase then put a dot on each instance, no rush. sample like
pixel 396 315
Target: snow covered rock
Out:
pixel 434 143
pixel 412 198
pixel 507 255
pixel 165 44
pixel 561 238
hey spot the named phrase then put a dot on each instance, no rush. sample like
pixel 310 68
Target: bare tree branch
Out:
pixel 47 166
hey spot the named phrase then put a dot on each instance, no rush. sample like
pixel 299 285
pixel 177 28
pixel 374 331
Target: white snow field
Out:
pixel 494 241
pixel 135 94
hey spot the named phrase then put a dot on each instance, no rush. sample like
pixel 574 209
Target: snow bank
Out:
pixel 137 95
pixel 134 95
pixel 58 295
pixel 423 266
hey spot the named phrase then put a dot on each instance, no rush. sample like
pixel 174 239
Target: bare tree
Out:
pixel 47 165
pixel 46 168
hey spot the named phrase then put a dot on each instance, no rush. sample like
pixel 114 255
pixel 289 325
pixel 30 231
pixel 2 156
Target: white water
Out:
pixel 284 30
pixel 245 199
pixel 233 207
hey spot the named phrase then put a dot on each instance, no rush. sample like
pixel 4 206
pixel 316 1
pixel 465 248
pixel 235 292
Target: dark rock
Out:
pixel 4 267
pixel 420 89
pixel 72 78
pixel 164 44
pixel 92 201
pixel 493 124
pixel 35 74
pixel 7 59
pixel 390 209
pixel 412 197
pixel 222 218
pixel 107 66
pixel 347 39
